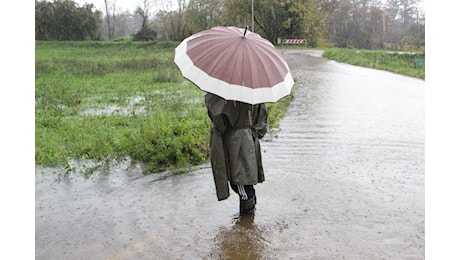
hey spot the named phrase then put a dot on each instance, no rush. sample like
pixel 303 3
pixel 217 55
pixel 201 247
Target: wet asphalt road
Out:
pixel 344 180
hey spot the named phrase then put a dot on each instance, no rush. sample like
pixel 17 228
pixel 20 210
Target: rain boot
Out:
pixel 247 206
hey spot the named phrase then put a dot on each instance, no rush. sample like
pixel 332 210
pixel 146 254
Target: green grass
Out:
pixel 401 63
pixel 110 100
pixel 276 111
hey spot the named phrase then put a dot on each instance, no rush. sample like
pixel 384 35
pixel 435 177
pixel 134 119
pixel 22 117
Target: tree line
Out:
pixel 66 20
pixel 364 24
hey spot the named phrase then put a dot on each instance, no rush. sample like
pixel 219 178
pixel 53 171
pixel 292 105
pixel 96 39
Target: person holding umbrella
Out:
pixel 240 71
pixel 235 153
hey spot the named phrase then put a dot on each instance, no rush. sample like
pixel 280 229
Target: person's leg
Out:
pixel 234 188
pixel 248 190
pixel 248 200
pixel 247 196
pixel 250 204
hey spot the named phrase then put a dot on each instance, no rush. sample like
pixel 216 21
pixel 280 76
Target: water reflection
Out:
pixel 242 240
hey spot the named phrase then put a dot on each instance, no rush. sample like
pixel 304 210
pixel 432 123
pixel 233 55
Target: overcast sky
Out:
pixel 122 4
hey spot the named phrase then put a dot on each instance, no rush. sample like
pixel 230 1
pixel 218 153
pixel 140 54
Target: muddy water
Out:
pixel 345 179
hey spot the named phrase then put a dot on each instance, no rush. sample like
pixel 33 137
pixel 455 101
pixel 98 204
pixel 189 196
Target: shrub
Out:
pixel 145 34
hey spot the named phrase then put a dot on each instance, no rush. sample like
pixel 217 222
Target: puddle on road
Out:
pixel 242 240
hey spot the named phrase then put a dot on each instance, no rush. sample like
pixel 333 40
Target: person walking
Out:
pixel 235 153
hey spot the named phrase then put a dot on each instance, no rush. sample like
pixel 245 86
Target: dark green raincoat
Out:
pixel 234 148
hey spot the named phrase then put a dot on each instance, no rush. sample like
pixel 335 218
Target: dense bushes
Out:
pixel 65 20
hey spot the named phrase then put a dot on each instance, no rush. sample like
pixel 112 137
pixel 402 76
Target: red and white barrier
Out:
pixel 295 41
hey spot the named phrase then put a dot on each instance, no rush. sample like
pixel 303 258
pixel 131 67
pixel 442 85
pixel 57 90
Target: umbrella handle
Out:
pixel 245 30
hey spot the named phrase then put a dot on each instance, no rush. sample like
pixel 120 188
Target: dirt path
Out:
pixel 345 179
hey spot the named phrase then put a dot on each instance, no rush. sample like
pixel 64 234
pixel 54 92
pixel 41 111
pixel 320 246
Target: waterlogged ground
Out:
pixel 345 179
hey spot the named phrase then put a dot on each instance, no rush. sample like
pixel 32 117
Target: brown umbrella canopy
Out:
pixel 235 64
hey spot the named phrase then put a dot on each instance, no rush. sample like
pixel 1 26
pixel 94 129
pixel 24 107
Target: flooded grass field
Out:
pixel 344 179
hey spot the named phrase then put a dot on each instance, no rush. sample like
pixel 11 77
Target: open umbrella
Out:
pixel 235 64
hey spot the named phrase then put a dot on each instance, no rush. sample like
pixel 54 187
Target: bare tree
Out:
pixel 146 33
pixel 114 10
pixel 175 12
pixel 110 9
pixel 144 11
pixel 204 14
